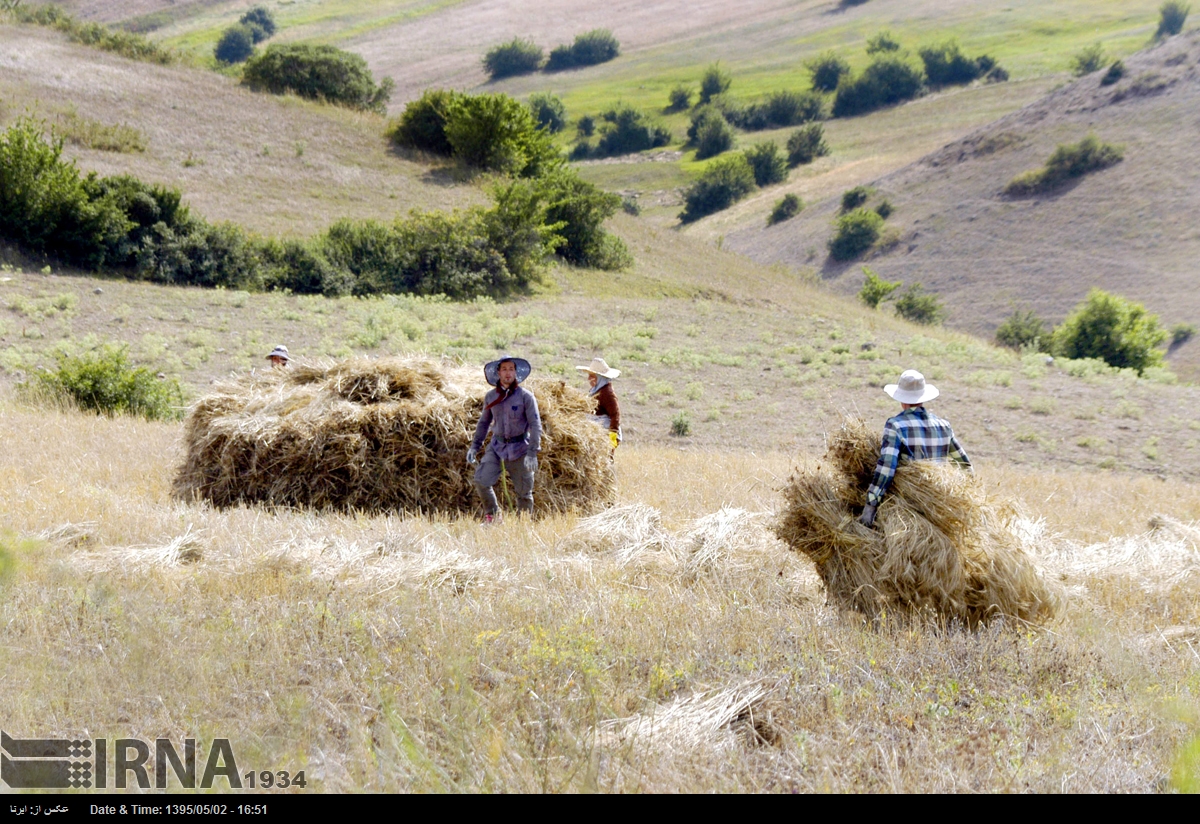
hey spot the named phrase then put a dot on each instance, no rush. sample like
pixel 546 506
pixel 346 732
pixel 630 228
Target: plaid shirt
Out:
pixel 915 435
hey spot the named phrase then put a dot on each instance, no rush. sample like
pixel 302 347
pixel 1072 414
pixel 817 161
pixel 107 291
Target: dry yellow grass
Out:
pixel 387 654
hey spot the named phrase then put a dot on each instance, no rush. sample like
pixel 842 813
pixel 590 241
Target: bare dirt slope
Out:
pixel 1129 229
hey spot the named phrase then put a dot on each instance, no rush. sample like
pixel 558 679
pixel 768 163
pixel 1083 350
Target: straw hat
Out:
pixel 599 367
pixel 279 352
pixel 491 371
pixel 912 388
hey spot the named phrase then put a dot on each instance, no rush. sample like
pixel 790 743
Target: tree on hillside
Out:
pixel 1088 60
pixel 716 81
pixel 826 70
pixel 260 21
pixel 875 289
pixel 1171 16
pixel 1119 332
pixel 235 46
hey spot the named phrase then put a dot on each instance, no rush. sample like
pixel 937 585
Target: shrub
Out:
pixel 725 181
pixel 1069 161
pixel 627 130
pixel 768 164
pixel 494 132
pixel 946 65
pixel 301 267
pixel 549 112
pixel 806 145
pixel 581 150
pixel 105 382
pixel 711 133
pixel 1119 332
pixel 875 289
pixel 318 73
pixel 582 208
pixel 917 306
pixel 1171 16
pixel 826 70
pixel 1088 60
pixel 854 233
pixel 787 208
pixel 716 81
pixel 1115 72
pixel 422 124
pixel 124 43
pixel 996 74
pixel 235 46
pixel 680 98
pixel 779 110
pixel 887 80
pixel 197 253
pixel 882 42
pixel 681 425
pixel 1181 333
pixel 586 126
pixel 1022 330
pixel 589 48
pixel 515 57
pixel 853 198
pixel 884 209
pixel 261 22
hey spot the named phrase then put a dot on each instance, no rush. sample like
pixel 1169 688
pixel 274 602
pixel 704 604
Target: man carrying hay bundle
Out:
pixel 511 411
pixel 915 435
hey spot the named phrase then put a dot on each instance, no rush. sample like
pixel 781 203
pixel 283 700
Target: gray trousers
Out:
pixel 488 473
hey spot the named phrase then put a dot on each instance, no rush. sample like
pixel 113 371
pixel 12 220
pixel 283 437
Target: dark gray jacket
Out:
pixel 515 422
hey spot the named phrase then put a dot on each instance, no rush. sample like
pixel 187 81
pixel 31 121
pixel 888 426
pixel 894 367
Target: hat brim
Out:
pixel 896 393
pixel 610 374
pixel 277 355
pixel 491 371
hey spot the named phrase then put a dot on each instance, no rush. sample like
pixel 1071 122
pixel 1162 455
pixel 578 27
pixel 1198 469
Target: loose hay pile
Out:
pixel 939 545
pixel 387 434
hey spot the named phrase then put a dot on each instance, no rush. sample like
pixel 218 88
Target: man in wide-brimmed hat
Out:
pixel 916 434
pixel 279 357
pixel 608 412
pixel 511 412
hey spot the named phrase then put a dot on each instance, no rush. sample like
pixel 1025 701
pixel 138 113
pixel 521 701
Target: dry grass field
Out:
pixel 691 652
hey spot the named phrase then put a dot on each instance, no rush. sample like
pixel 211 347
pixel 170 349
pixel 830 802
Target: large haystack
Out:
pixel 939 544
pixel 387 434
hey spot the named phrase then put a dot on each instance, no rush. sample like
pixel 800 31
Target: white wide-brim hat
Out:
pixel 599 367
pixel 911 388
pixel 279 352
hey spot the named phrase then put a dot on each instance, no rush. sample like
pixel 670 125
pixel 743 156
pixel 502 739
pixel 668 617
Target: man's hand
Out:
pixel 472 457
pixel 530 462
pixel 868 516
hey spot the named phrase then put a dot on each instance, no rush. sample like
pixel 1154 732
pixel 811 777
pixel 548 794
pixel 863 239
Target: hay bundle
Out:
pixel 939 545
pixel 387 434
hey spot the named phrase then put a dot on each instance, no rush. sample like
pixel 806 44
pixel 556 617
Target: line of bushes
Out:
pixel 318 73
pixel 914 304
pixel 1068 162
pixel 523 56
pixel 124 43
pixel 623 130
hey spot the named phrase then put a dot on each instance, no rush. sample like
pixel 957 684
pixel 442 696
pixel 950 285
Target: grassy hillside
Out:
pixel 1126 229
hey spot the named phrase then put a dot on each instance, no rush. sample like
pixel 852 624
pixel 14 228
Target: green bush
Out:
pixel 1119 332
pixel 770 167
pixel 806 145
pixel 946 65
pixel 917 306
pixel 261 22
pixel 319 73
pixel 853 198
pixel 889 79
pixel 882 42
pixel 1115 72
pixel 778 111
pixel 1171 17
pixel 884 209
pixel 713 134
pixel 680 98
pixel 854 233
pixel 126 44
pixel 198 253
pixel 787 208
pixel 716 81
pixel 586 126
pixel 875 289
pixel 681 425
pixel 105 382
pixel 549 112
pixel 725 181
pixel 496 133
pixel 1022 330
pixel 1088 60
pixel 1181 333
pixel 582 208
pixel 1069 161
pixel 518 56
pixel 826 70
pixel 301 267
pixel 625 130
pixel 422 124
pixel 236 45
pixel 589 48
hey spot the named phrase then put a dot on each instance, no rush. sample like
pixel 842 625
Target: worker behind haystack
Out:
pixel 607 411
pixel 916 434
pixel 511 412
